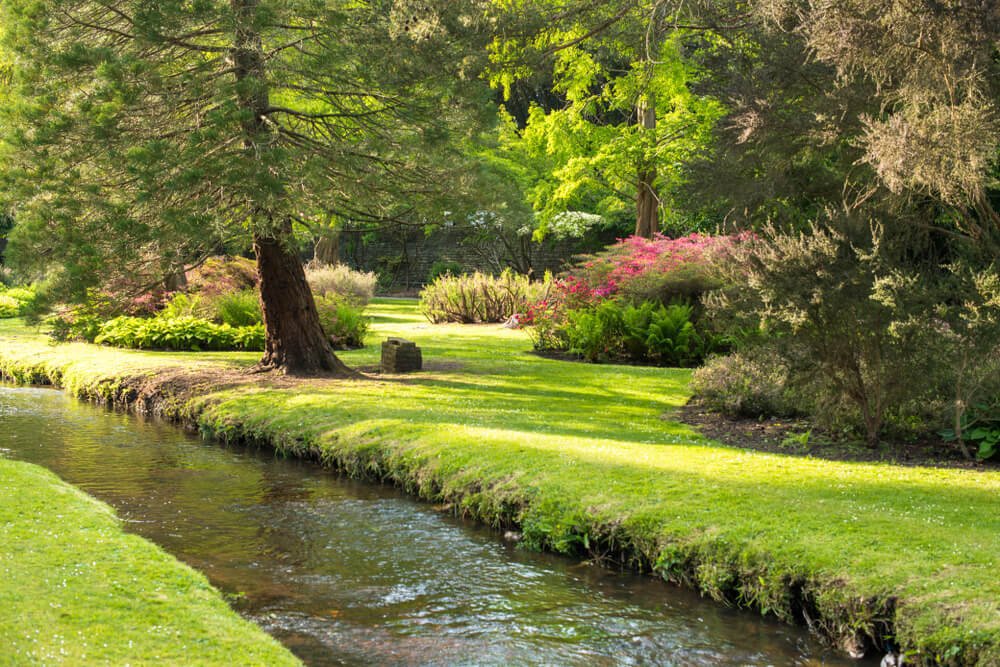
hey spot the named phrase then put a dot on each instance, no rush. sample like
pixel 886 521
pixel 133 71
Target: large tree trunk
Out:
pixel 294 339
pixel 647 207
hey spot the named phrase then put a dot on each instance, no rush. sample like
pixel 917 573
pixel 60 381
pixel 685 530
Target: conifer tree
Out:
pixel 142 135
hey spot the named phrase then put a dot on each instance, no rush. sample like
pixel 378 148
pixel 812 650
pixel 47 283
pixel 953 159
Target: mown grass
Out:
pixel 78 591
pixel 587 460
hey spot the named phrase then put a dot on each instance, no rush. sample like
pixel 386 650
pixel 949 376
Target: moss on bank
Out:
pixel 586 460
pixel 78 590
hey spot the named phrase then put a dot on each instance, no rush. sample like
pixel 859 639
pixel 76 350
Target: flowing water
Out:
pixel 349 573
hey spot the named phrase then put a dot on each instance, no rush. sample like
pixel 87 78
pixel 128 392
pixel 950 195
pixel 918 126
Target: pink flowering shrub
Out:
pixel 637 281
pixel 637 269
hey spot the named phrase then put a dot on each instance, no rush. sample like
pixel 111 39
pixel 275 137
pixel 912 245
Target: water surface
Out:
pixel 350 573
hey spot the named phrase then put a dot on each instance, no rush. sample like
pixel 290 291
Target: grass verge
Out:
pixel 587 460
pixel 78 590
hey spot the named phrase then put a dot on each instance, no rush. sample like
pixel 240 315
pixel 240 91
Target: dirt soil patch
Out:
pixel 799 437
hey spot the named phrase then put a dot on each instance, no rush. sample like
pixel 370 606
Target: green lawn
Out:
pixel 77 590
pixel 586 459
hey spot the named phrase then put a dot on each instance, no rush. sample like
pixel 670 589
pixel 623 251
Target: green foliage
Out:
pixel 867 339
pixel 178 333
pixel 76 325
pixel 343 320
pixel 341 281
pixel 746 383
pixel 979 427
pixel 947 86
pixel 237 309
pixel 182 304
pixel 583 159
pixel 670 335
pixel 16 301
pixel 478 297
pixel 649 332
pixel 212 301
pixel 596 333
pixel 148 135
pixel 966 347
pixel 443 267
pixel 818 293
pixel 9 306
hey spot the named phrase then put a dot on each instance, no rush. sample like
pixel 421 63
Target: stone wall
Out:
pixel 408 254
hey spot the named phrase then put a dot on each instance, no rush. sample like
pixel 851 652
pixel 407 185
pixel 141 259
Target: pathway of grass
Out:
pixel 586 459
pixel 77 590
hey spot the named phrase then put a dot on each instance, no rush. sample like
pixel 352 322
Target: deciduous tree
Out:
pixel 630 118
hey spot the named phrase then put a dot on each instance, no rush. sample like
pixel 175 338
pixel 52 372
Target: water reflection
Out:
pixel 347 573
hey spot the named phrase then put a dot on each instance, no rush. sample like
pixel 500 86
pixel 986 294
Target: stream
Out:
pixel 351 573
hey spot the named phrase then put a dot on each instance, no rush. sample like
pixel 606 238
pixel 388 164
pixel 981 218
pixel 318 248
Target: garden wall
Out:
pixel 405 256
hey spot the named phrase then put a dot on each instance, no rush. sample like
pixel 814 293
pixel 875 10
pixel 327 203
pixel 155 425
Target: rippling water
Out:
pixel 347 573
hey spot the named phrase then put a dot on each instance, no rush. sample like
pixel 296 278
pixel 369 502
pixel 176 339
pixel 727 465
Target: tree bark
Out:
pixel 294 340
pixel 327 248
pixel 647 208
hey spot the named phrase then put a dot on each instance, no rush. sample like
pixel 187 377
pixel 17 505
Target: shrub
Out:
pixel 595 333
pixel 237 309
pixel 178 333
pixel 666 334
pixel 444 268
pixel 343 281
pixel 649 332
pixel 636 269
pixel 480 298
pixel 215 276
pixel 223 275
pixel 75 325
pixel 967 355
pixel 9 306
pixel 343 321
pixel 181 304
pixel 751 383
pixel 843 313
pixel 546 320
pixel 16 301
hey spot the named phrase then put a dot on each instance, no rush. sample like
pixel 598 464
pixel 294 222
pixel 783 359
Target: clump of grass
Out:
pixel 341 281
pixel 479 297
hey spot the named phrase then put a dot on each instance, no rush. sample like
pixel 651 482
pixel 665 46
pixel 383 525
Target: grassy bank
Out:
pixel 77 590
pixel 586 459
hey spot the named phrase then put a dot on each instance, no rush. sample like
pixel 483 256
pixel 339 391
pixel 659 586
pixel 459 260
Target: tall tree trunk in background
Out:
pixel 327 249
pixel 647 206
pixel 294 341
pixel 174 274
pixel 175 281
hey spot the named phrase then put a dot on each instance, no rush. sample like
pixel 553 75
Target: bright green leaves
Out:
pixel 591 154
pixel 575 75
